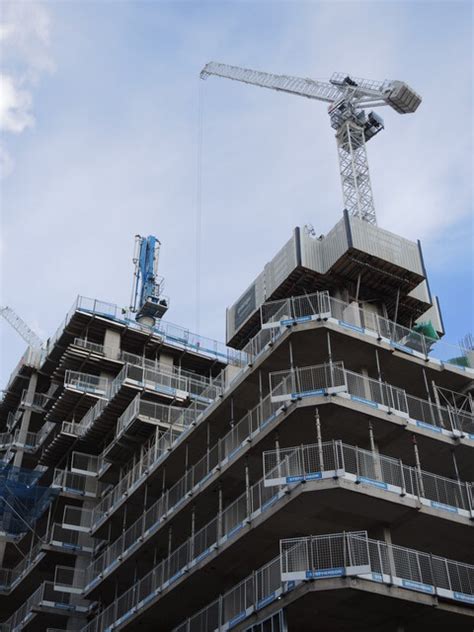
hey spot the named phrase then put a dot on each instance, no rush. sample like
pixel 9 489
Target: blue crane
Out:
pixel 147 301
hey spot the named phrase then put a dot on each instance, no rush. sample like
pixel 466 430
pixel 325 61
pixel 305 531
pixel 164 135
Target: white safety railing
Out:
pixel 284 385
pixel 334 555
pixel 74 483
pixel 325 379
pixel 32 358
pixel 320 305
pixel 233 518
pixel 220 529
pixel 93 347
pixel 34 400
pixel 45 596
pixel 172 334
pixel 341 554
pixel 88 420
pixel 86 382
pixel 136 472
pixel 154 413
pixel 56 537
pixel 328 459
pixel 156 365
pixel 321 379
pixel 219 454
pixel 13 418
pixel 87 464
pixel 28 441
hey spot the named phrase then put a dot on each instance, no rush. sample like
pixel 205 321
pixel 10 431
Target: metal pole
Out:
pixel 395 316
pixel 193 530
pixel 377 360
pixel 163 482
pixel 247 488
pixel 358 287
pixel 277 449
pixel 319 439
pixel 426 384
pixel 438 405
pixel 124 521
pixel 290 348
pixel 328 340
pixel 219 519
pixel 418 465
pixel 371 437
pixel 455 463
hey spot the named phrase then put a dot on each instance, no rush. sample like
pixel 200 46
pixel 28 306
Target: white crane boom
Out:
pixel 346 96
pixel 21 327
pixel 309 88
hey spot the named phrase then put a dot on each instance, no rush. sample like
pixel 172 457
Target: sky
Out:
pixel 107 131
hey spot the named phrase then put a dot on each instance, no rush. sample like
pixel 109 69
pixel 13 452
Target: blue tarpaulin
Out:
pixel 22 500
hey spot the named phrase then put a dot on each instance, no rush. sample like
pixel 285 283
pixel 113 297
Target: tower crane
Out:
pixel 347 97
pixel 21 327
pixel 147 301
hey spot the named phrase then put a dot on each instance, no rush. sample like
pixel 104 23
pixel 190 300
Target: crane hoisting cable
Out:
pixel 346 96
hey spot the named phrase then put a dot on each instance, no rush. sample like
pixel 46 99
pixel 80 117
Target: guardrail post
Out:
pixel 309 554
pixel 402 478
pixel 448 575
pixel 418 466
pixel 469 498
pixel 219 516
pixel 357 464
pixel 301 460
pixel 247 489
pixel 433 579
pixel 170 541
pixel 221 613
pixel 319 439
pixel 193 530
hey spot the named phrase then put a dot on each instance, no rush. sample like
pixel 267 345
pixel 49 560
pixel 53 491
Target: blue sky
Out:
pixel 99 142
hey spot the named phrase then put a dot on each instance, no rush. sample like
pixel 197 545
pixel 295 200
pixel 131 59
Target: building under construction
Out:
pixel 315 473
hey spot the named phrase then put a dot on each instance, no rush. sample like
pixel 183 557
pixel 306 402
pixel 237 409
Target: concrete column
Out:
pixel 230 372
pixel 25 421
pixel 80 568
pixel 387 537
pixel 112 343
pixel 166 362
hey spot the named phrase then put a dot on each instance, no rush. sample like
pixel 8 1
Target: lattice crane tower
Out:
pixel 347 97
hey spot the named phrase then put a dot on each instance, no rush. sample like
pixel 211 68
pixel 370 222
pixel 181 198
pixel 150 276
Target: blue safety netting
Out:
pixel 22 500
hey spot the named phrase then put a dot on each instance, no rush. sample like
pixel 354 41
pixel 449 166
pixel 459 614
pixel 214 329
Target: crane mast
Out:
pixel 347 97
pixel 147 301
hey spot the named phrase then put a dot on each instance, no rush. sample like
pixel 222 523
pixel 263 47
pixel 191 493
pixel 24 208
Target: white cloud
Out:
pixel 15 106
pixel 25 44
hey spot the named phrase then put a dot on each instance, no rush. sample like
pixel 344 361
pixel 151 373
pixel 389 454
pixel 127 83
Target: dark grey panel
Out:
pixel 245 306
